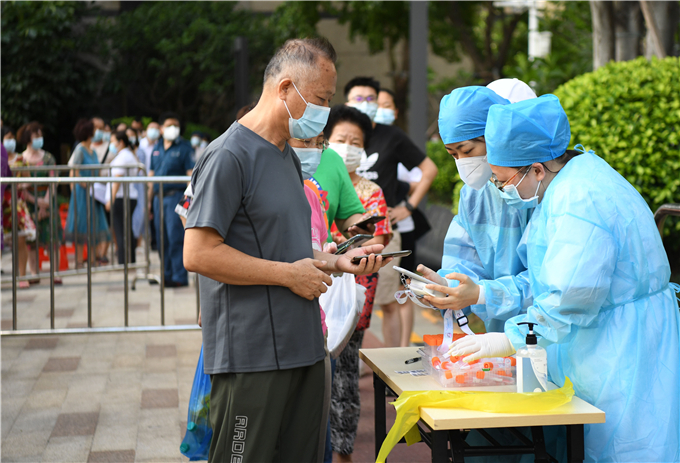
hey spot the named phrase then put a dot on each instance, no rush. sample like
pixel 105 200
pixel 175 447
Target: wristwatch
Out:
pixel 409 206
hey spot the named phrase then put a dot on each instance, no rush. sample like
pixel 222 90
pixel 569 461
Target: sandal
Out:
pixel 34 281
pixel 24 285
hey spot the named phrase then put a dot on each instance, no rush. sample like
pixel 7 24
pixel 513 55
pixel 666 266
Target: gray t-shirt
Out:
pixel 252 194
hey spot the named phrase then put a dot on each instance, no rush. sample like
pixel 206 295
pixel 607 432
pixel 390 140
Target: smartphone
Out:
pixel 371 220
pixel 357 259
pixel 355 241
pixel 419 289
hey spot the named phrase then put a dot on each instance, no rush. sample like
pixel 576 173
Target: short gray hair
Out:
pixel 298 57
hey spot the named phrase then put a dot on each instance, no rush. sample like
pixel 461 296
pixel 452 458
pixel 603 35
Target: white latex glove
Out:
pixel 487 345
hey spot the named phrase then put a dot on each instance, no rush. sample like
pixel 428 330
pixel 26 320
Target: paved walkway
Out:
pixel 119 397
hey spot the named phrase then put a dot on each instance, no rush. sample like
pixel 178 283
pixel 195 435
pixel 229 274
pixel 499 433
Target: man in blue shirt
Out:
pixel 171 156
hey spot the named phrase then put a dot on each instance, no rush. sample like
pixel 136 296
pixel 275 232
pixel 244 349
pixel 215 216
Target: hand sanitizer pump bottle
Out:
pixel 532 365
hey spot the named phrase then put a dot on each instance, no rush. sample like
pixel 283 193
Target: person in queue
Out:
pixel 602 303
pixel 40 205
pixel 388 147
pixel 309 153
pixel 76 222
pixel 171 156
pixel 348 131
pixel 248 237
pixel 482 238
pixel 26 230
pixel 122 148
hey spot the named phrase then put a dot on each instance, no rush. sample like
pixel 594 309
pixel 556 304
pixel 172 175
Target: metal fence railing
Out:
pixel 663 212
pixel 17 183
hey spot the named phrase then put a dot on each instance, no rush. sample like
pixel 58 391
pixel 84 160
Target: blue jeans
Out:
pixel 173 237
pixel 328 454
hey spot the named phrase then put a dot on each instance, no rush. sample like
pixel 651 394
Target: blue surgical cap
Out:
pixel 520 134
pixel 462 113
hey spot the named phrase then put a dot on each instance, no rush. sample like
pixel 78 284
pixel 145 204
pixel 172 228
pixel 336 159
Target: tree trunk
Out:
pixel 666 16
pixel 400 81
pixel 603 32
pixel 629 26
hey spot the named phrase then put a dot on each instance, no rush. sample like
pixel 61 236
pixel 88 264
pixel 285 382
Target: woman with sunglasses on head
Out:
pixel 482 239
pixel 602 303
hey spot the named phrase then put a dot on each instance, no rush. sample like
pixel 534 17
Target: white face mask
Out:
pixel 351 155
pixel 475 172
pixel 369 108
pixel 171 133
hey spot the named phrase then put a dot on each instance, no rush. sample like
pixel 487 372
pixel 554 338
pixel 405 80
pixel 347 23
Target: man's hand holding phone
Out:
pixel 307 279
pixel 366 266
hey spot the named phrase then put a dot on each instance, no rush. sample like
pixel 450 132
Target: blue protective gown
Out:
pixel 606 315
pixel 481 242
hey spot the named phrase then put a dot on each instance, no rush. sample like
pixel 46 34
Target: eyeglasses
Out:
pixel 501 185
pixel 322 145
pixel 359 98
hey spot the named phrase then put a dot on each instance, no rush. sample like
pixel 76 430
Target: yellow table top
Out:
pixel 384 362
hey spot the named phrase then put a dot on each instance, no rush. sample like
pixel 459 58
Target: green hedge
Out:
pixel 446 186
pixel 629 114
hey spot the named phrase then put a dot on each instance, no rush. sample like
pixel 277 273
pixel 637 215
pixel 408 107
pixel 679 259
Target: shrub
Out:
pixel 629 114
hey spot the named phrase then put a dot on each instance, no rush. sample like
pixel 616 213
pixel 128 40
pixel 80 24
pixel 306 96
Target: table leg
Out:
pixel 457 446
pixel 440 447
pixel 575 443
pixel 380 414
pixel 541 456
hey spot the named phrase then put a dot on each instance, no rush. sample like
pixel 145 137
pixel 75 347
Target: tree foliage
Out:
pixel 182 58
pixel 46 73
pixel 629 114
pixel 571 48
pixel 489 35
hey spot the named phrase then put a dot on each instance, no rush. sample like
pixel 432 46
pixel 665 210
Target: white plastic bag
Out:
pixel 342 303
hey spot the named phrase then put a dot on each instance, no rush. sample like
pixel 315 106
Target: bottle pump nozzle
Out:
pixel 531 337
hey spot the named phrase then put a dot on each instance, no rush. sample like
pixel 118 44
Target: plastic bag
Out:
pixel 409 403
pixel 196 443
pixel 342 304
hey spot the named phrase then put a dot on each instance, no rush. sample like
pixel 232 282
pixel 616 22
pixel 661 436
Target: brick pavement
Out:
pixel 119 397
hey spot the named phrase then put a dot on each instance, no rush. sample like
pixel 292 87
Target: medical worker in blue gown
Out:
pixel 599 276
pixel 482 239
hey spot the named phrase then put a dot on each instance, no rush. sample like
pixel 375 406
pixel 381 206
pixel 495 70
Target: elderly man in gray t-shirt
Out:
pixel 249 237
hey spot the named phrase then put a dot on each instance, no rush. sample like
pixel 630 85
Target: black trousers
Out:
pixel 119 227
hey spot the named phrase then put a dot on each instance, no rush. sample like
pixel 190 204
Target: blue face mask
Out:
pixel 153 133
pixel 98 136
pixel 113 149
pixel 512 198
pixel 384 116
pixel 310 158
pixel 10 145
pixel 367 107
pixel 311 123
pixel 37 143
pixel 106 136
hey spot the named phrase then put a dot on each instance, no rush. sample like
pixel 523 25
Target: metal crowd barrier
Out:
pixel 52 182
pixel 108 268
pixel 663 212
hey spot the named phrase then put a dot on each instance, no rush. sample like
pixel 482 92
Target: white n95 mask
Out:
pixel 475 172
pixel 171 133
pixel 351 155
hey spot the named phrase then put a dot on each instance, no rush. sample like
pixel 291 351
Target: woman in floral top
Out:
pixel 25 225
pixel 31 136
pixel 348 131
